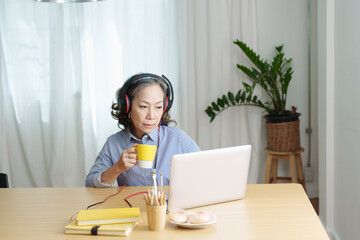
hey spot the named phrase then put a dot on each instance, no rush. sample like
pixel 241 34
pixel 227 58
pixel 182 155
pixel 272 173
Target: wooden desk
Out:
pixel 269 211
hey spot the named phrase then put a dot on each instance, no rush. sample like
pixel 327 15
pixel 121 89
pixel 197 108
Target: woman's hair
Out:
pixel 118 111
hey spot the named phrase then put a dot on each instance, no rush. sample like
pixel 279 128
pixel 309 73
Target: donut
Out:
pixel 199 217
pixel 178 215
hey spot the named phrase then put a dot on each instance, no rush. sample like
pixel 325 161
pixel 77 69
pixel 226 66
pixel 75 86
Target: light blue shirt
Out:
pixel 172 141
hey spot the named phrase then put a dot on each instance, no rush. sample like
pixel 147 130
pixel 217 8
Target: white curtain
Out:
pixel 208 61
pixel 61 65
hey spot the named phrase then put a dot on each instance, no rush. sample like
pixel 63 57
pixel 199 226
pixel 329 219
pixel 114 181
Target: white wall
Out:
pixel 285 22
pixel 339 49
pixel 347 119
pixel 326 112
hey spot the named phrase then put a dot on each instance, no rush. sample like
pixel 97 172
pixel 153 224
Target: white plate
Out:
pixel 211 221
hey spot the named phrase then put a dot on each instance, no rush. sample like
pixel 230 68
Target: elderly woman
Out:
pixel 142 111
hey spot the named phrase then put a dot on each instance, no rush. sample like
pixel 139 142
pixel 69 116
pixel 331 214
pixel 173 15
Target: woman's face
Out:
pixel 146 110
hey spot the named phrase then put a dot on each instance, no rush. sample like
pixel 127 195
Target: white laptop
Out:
pixel 208 177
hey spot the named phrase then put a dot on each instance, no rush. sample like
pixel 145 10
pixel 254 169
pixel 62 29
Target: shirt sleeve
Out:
pixel 193 147
pixel 102 163
pixel 187 144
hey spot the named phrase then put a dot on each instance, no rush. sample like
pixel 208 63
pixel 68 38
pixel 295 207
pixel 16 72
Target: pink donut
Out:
pixel 199 217
pixel 178 215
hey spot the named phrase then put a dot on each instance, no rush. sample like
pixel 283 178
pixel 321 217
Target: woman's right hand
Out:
pixel 127 159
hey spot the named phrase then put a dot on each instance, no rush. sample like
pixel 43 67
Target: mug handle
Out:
pixel 135 147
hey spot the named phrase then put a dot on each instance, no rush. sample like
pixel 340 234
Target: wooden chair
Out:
pixel 4 183
pixel 296 169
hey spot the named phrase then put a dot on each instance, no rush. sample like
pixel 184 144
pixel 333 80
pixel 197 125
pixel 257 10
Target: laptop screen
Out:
pixel 208 177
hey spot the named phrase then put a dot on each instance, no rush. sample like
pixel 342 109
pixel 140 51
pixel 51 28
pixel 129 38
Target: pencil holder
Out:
pixel 156 216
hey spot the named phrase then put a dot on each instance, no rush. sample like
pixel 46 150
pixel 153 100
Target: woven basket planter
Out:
pixel 283 136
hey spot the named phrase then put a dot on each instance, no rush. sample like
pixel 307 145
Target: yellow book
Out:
pixel 108 216
pixel 117 229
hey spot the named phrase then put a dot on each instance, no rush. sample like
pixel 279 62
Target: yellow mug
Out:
pixel 145 155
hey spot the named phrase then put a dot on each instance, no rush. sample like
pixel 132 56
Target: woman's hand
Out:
pixel 127 159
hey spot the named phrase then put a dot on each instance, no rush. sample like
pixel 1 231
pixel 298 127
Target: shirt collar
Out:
pixel 152 135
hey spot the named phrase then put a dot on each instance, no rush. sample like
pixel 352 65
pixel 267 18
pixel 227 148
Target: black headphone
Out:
pixel 123 99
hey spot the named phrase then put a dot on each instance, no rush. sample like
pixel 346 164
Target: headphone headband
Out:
pixel 124 100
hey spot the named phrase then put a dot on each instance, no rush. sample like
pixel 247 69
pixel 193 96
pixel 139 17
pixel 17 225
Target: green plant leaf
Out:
pixel 231 98
pixel 249 72
pixel 220 102
pixel 209 112
pixel 248 99
pixel 225 100
pixel 254 58
pixel 237 97
pixel 243 95
pixel 247 87
pixel 279 48
pixel 215 106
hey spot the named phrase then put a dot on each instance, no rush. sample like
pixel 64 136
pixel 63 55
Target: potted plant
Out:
pixel 282 125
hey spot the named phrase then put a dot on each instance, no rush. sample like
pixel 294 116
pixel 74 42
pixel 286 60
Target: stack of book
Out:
pixel 112 221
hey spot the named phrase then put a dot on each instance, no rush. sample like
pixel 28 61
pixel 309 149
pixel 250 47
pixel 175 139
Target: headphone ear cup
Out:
pixel 127 103
pixel 165 104
pixel 168 101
